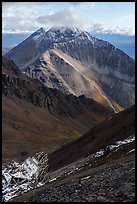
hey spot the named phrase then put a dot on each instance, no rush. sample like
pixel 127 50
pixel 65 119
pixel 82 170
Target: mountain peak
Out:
pixel 59 34
pixel 41 30
pixel 64 29
pixel 38 32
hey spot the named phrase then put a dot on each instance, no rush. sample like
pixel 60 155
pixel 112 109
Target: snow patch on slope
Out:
pixel 18 178
pixel 116 145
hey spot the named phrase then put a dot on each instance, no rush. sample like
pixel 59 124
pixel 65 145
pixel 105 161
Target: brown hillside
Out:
pixel 109 131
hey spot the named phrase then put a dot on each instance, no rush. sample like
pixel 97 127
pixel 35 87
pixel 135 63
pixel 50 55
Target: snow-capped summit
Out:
pixel 63 34
pixel 64 30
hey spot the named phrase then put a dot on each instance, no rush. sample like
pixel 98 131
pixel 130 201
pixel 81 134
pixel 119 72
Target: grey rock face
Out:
pixel 102 57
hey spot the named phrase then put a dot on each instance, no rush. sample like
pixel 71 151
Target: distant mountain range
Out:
pixel 77 63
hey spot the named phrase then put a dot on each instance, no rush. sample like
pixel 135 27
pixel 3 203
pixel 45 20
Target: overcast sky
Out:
pixel 110 17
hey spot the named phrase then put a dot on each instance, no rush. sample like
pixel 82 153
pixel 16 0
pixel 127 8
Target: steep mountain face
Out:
pixel 41 113
pixel 102 57
pixel 75 62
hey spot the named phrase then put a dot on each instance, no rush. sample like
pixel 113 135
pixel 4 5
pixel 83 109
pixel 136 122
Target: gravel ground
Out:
pixel 115 183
